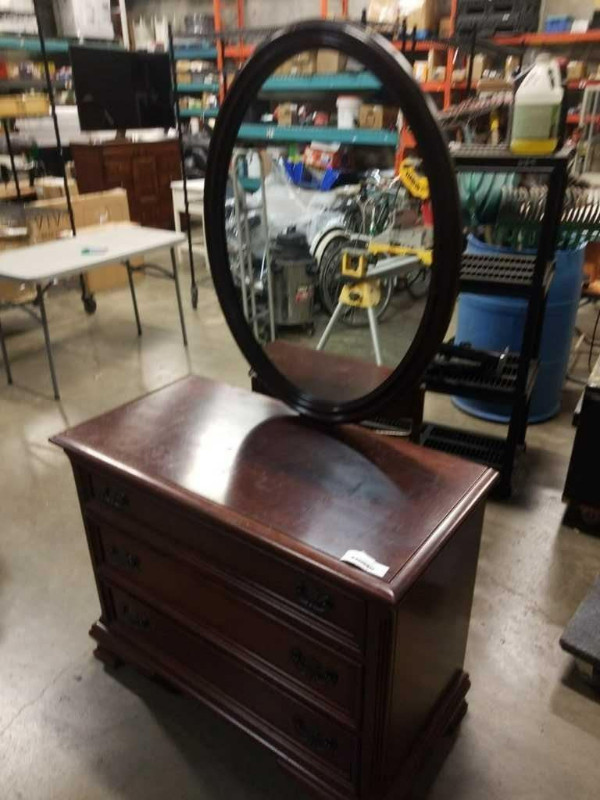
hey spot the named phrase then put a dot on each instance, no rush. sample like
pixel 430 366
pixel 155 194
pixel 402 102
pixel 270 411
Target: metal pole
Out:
pixel 124 24
pixel 267 249
pixel 186 200
pixel 85 296
pixel 330 326
pixel 50 90
pixel 44 319
pixel 413 45
pixel 11 155
pixel 471 59
pixel 374 334
pixel 5 356
pixel 178 293
pixel 237 204
pixel 134 298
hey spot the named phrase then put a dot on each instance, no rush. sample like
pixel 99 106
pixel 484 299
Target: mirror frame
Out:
pixel 394 71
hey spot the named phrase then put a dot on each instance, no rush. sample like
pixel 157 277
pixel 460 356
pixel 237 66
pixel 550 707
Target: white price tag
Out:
pixel 362 560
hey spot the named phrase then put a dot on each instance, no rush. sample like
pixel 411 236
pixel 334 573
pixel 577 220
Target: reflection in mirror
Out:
pixel 329 227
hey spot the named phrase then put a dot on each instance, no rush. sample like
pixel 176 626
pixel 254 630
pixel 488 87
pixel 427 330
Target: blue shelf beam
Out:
pixel 197 88
pixel 369 137
pixel 31 44
pixel 207 113
pixel 203 53
pixel 335 82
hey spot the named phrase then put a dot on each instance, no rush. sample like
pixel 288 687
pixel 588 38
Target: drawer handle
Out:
pixel 312 669
pixel 134 619
pixel 115 498
pixel 314 600
pixel 313 738
pixel 124 559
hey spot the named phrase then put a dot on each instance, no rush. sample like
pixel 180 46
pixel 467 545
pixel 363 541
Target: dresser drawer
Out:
pixel 308 734
pixel 204 601
pixel 325 603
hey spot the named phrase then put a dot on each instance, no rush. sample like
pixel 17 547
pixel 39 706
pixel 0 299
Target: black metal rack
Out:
pixel 87 298
pixel 527 276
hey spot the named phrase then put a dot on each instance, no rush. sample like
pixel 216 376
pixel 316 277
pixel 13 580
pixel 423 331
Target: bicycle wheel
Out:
pixel 330 286
pixel 417 283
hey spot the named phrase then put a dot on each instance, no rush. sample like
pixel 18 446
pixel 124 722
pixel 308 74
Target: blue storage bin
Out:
pixel 559 23
pixel 494 323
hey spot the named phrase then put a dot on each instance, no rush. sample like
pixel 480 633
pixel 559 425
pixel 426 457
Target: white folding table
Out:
pixel 44 264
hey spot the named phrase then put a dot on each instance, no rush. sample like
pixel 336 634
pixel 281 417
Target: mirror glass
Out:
pixel 329 226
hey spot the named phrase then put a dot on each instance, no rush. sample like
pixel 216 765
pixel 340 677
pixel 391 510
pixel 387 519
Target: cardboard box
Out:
pixel 47 219
pixel 435 60
pixel 84 19
pixel 481 63
pixel 377 116
pixel 511 66
pixel 51 187
pixel 11 291
pixel 301 64
pixel 426 18
pixel 575 70
pixel 330 61
pixel 420 71
pixel 287 114
pixel 445 28
pixel 390 12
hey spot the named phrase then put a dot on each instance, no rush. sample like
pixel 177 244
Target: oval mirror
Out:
pixel 335 257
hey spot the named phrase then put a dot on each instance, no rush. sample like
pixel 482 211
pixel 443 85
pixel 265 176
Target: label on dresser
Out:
pixel 362 560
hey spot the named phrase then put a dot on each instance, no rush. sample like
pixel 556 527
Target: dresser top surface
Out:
pixel 249 462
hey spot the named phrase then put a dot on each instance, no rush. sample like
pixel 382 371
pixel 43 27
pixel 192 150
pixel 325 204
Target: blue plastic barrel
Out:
pixel 491 322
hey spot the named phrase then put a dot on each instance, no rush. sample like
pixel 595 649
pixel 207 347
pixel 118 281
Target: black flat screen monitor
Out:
pixel 117 89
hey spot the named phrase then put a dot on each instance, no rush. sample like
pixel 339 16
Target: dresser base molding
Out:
pixel 114 652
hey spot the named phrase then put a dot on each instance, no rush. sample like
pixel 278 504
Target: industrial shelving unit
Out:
pixel 514 275
pixel 262 132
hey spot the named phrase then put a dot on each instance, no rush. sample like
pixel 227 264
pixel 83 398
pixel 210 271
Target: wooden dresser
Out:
pixel 144 169
pixel 216 519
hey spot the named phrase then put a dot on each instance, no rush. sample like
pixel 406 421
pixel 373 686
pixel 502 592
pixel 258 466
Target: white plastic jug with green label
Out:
pixel 536 112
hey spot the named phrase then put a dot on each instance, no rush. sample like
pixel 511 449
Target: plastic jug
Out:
pixel 536 111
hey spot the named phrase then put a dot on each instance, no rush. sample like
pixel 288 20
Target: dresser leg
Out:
pixel 108 658
pixel 457 718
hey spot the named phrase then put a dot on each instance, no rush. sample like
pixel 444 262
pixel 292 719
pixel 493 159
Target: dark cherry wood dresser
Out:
pixel 144 169
pixel 216 519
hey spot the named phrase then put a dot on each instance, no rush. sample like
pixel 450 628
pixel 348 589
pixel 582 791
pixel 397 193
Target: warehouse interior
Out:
pixel 299 374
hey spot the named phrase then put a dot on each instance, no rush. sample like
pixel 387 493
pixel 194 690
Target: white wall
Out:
pixel 259 13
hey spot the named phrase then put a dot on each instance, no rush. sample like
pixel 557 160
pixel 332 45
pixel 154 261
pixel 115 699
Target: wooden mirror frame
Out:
pixel 394 72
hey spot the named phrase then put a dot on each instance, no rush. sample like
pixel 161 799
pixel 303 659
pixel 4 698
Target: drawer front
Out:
pixel 206 602
pixel 306 732
pixel 327 605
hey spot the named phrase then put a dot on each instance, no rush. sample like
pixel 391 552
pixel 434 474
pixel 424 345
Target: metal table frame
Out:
pixel 41 317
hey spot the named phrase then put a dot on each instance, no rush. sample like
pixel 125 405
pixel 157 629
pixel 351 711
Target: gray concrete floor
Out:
pixel 71 731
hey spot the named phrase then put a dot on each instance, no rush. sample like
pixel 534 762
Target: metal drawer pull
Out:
pixel 313 738
pixel 312 669
pixel 115 498
pixel 123 558
pixel 135 619
pixel 315 601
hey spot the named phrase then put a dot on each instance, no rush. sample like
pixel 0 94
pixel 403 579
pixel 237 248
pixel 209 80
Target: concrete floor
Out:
pixel 71 731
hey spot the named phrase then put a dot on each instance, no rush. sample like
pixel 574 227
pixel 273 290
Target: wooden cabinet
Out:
pixel 216 520
pixel 144 169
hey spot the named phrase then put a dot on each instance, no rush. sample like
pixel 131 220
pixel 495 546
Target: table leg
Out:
pixel 44 318
pixel 178 293
pixel 5 356
pixel 134 298
pixel 177 221
pixel 204 248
